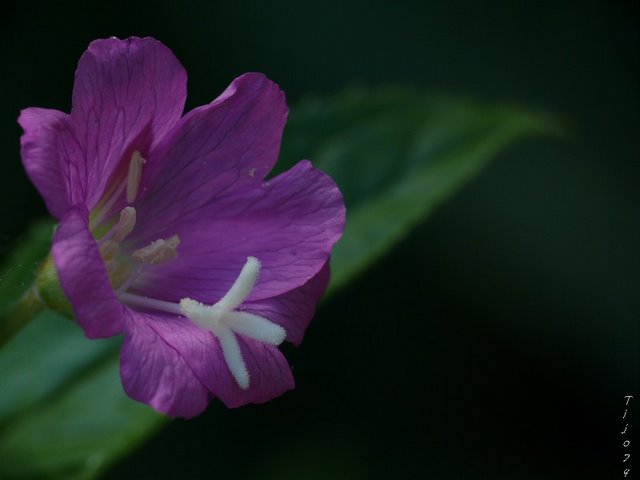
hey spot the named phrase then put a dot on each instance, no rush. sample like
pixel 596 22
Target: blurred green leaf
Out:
pixel 76 434
pixel 47 355
pixel 396 154
pixel 20 268
pixel 19 302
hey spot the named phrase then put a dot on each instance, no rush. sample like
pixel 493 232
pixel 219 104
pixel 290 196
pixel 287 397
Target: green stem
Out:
pixel 16 315
pixel 49 289
pixel 45 293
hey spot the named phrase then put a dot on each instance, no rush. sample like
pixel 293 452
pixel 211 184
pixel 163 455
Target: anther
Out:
pixel 125 224
pixel 159 251
pixel 134 176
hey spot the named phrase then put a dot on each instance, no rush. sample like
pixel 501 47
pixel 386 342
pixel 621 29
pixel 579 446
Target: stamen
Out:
pixel 118 272
pixel 104 209
pixel 132 184
pixel 134 176
pixel 159 251
pixel 125 224
pixel 108 249
pixel 133 276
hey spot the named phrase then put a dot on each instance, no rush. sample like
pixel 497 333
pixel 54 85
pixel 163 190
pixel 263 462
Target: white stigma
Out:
pixel 222 319
pixel 243 285
pixel 134 176
pixel 225 322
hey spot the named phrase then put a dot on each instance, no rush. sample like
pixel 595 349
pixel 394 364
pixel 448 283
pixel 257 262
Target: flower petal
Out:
pixel 154 364
pixel 84 278
pixel 216 149
pixel 127 95
pixel 175 366
pixel 44 156
pixel 293 310
pixel 289 223
pixel 269 374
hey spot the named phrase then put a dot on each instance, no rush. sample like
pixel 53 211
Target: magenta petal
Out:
pixel 125 91
pixel 155 363
pixel 216 149
pixel 84 278
pixel 289 223
pixel 44 157
pixel 269 374
pixel 293 310
pixel 176 367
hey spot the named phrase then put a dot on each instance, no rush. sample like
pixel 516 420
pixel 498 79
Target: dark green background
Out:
pixel 497 341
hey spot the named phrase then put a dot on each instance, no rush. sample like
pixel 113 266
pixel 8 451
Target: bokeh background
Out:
pixel 499 339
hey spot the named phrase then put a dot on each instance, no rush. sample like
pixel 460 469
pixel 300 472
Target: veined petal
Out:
pixel 269 374
pixel 289 223
pixel 125 91
pixel 45 158
pixel 215 150
pixel 293 310
pixel 84 278
pixel 175 366
pixel 155 363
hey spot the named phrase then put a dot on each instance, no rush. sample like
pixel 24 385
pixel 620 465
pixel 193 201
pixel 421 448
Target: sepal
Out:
pixel 50 291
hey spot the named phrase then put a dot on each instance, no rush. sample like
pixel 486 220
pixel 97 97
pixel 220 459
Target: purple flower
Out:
pixel 169 233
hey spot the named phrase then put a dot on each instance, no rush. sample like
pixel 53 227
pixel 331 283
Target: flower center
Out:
pixel 130 184
pixel 223 319
pixel 125 269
